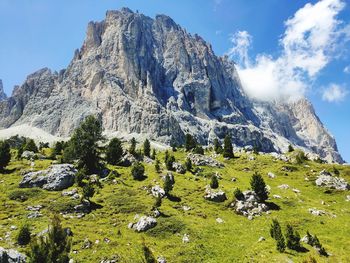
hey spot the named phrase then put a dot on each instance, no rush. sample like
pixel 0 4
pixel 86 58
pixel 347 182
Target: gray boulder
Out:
pixel 11 256
pixel 214 195
pixel 179 168
pixel 28 155
pixel 57 177
pixel 325 179
pixel 157 191
pixel 202 160
pixel 249 205
pixel 144 223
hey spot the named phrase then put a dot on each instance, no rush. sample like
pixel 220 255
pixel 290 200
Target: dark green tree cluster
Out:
pixel 138 171
pixel 214 182
pixel 228 149
pixel 276 233
pixel 190 142
pixel 5 154
pixel 30 146
pixel 217 146
pixel 258 185
pixel 24 236
pixel 84 145
pixel 53 248
pixel 114 151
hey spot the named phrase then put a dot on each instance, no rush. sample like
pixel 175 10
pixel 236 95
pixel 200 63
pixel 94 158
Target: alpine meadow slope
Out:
pixel 149 76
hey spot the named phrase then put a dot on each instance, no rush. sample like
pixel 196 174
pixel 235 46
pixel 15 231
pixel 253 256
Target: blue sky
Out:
pixel 255 33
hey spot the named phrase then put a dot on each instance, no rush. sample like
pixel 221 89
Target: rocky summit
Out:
pixel 2 93
pixel 150 77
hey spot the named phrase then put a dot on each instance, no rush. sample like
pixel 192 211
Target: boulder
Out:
pixel 283 186
pixel 316 212
pixel 202 160
pixel 179 168
pixel 185 238
pixel 161 259
pixel 249 205
pixel 325 179
pixel 157 191
pixel 214 195
pixel 57 177
pixel 28 155
pixel 11 256
pixel 271 175
pixel 144 223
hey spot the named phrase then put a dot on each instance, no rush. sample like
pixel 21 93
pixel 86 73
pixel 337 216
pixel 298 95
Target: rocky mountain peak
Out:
pixel 2 93
pixel 150 78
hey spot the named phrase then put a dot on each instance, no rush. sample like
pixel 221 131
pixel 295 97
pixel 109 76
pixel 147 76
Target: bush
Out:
pixel 228 149
pixel 259 187
pixel 114 151
pixel 88 191
pixel 290 148
pixel 132 148
pixel 169 163
pixel 23 237
pixel 138 171
pixel 214 183
pixel 190 142
pixel 198 150
pixel 55 247
pixel 30 146
pixel 292 238
pixel 238 194
pixel 5 154
pixel 217 146
pixel 276 233
pixel 188 164
pixel 147 148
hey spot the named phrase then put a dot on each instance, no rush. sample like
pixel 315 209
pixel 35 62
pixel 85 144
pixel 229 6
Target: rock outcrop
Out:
pixel 11 256
pixel 2 93
pixel 325 179
pixel 150 77
pixel 57 177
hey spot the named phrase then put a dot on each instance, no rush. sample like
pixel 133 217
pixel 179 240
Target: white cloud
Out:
pixel 309 43
pixel 347 69
pixel 334 93
pixel 241 41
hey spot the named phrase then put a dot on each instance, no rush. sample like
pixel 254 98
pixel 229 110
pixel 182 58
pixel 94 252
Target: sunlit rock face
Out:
pixel 150 77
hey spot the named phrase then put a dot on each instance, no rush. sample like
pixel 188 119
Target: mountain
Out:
pixel 149 76
pixel 2 93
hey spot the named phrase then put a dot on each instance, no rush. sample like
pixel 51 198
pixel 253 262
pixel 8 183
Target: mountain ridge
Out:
pixel 149 76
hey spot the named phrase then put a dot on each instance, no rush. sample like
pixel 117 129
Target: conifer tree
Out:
pixel 132 148
pixel 217 146
pixel 214 183
pixel 190 142
pixel 258 185
pixel 276 233
pixel 292 238
pixel 5 154
pixel 228 149
pixel 114 151
pixel 23 237
pixel 168 184
pixel 147 148
pixel 188 165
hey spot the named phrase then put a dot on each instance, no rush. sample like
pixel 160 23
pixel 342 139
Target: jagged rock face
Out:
pixel 148 76
pixel 2 93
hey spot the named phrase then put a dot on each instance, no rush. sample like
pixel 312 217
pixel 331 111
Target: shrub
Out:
pixel 217 146
pixel 290 148
pixel 132 148
pixel 147 148
pixel 214 183
pixel 168 184
pixel 259 187
pixel 5 154
pixel 238 194
pixel 188 164
pixel 30 146
pixel 23 237
pixel 292 238
pixel 300 157
pixel 190 142
pixel 276 233
pixel 228 149
pixel 114 151
pixel 137 171
pixel 88 191
pixel 153 155
pixel 55 247
pixel 198 150
pixel 169 163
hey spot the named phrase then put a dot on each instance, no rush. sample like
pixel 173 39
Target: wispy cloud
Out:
pixel 310 41
pixel 347 69
pixel 334 93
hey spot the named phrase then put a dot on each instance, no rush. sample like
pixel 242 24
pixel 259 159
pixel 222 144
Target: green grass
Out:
pixel 236 240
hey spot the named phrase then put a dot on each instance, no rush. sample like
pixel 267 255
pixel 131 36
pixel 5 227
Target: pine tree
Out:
pixel 132 148
pixel 217 146
pixel 147 148
pixel 228 149
pixel 23 237
pixel 198 150
pixel 290 148
pixel 188 165
pixel 154 154
pixel 259 187
pixel 31 146
pixel 292 238
pixel 138 171
pixel 168 184
pixel 5 154
pixel 169 163
pixel 276 233
pixel 54 248
pixel 238 194
pixel 157 166
pixel 214 183
pixel 190 142
pixel 88 191
pixel 114 151
pixel 84 144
